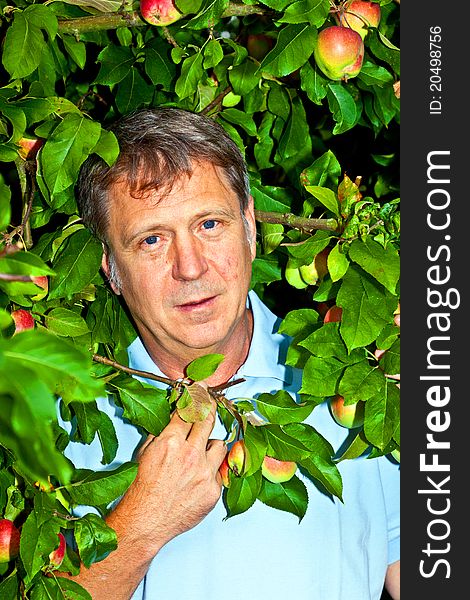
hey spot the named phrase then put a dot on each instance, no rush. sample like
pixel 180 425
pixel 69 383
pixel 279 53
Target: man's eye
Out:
pixel 151 239
pixel 209 224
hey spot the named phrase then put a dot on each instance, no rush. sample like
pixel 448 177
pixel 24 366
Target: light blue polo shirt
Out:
pixel 339 551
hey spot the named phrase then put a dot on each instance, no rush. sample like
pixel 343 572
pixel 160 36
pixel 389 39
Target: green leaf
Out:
pixel 208 14
pixel 88 420
pixel 194 404
pixel 281 408
pixel 144 404
pixel 326 196
pixel 204 366
pixel 133 92
pixel 293 48
pixel 318 463
pixel 342 106
pixel 321 376
pixel 24 263
pixel 314 12
pixel 63 321
pixel 306 251
pixel 58 588
pixel 108 439
pixel 76 50
pixel 326 342
pixel 242 493
pixel 296 133
pixel 57 362
pixel 282 445
pixel 158 67
pixel 107 147
pixel 76 265
pixel 382 263
pixel 99 489
pixel 367 308
pixel 116 62
pixel 360 382
pixel 37 540
pixel 290 496
pixel 66 149
pixel 382 416
pixel 266 269
pixel 24 41
pixel 373 74
pixel 95 539
pixel 191 74
pixel 243 77
pixel 298 321
pixel 390 361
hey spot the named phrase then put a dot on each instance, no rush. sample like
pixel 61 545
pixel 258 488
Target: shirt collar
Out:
pixel 266 355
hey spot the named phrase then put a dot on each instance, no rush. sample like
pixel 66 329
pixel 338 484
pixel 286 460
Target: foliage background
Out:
pixel 323 164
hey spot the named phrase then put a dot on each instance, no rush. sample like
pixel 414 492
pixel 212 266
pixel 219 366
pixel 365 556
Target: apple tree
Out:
pixel 319 130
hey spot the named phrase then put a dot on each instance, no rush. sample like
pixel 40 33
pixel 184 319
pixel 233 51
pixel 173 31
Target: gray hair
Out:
pixel 157 147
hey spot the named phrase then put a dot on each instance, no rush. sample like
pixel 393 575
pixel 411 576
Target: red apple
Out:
pixel 339 52
pixel 349 416
pixel 258 45
pixel 224 470
pixel 351 16
pixel 28 147
pixel 57 556
pixel 238 458
pixel 43 282
pixel 278 471
pixel 333 314
pixel 159 12
pixel 9 540
pixel 23 320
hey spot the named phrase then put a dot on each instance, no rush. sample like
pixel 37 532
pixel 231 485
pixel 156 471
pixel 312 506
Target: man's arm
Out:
pixel 392 580
pixel 177 485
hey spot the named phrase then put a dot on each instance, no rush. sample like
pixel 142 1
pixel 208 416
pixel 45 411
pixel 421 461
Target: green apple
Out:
pixel 293 276
pixel 278 471
pixel 317 269
pixel 350 416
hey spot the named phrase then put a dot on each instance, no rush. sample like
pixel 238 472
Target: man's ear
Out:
pixel 250 219
pixel 107 270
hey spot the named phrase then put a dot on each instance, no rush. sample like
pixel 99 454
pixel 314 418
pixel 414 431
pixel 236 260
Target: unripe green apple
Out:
pixel 317 269
pixel 43 282
pixel 224 471
pixel 369 11
pixel 333 314
pixel 349 416
pixel 238 458
pixel 278 471
pixel 9 540
pixel 339 52
pixel 23 320
pixel 57 556
pixel 396 318
pixel 159 12
pixel 293 276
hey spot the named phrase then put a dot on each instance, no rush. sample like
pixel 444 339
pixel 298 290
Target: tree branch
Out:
pixel 114 20
pixel 302 223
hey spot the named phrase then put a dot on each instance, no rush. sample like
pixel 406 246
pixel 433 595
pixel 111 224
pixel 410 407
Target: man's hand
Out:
pixel 178 482
pixel 177 485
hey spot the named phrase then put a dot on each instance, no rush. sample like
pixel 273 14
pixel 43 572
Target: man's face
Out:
pixel 184 261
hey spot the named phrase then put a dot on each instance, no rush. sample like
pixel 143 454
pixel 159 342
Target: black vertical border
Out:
pixel 423 132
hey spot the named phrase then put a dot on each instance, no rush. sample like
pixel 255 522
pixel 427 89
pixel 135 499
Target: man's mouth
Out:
pixel 197 304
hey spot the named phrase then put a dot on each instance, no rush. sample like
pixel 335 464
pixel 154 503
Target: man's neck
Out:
pixel 173 362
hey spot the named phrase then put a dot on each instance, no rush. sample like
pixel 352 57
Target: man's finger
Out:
pixel 201 430
pixel 178 425
pixel 216 452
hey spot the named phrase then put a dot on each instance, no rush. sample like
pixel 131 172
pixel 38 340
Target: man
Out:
pixel 177 225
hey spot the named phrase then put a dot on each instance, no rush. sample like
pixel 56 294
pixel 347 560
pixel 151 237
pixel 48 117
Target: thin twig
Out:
pixel 112 363
pixel 217 100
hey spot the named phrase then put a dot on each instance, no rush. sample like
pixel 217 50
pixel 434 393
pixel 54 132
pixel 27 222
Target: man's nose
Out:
pixel 189 261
